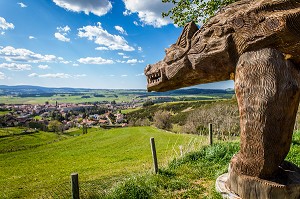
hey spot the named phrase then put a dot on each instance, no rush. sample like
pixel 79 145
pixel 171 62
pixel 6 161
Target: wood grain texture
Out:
pixel 268 91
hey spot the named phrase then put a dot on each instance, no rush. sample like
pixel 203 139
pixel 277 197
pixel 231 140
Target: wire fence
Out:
pixel 87 190
pixel 96 189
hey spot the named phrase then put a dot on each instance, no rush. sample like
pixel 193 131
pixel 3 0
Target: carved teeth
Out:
pixel 155 77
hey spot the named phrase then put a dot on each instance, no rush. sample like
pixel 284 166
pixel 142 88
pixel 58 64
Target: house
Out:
pixel 101 121
pixel 119 117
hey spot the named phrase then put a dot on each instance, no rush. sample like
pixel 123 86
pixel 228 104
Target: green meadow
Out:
pixel 60 99
pixel 114 163
pixel 34 164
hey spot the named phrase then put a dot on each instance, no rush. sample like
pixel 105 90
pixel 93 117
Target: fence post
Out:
pixel 75 186
pixel 181 150
pixel 210 134
pixel 153 149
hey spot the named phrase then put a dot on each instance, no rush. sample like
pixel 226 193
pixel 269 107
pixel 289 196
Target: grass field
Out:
pixel 3 112
pixel 66 99
pixel 190 176
pixel 108 95
pixel 43 161
pixel 117 161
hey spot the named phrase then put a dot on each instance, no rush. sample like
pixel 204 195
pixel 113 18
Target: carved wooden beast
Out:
pixel 256 43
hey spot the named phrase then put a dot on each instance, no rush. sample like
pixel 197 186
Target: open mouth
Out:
pixel 154 78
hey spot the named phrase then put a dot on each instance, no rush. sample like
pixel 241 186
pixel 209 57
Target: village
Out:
pixel 63 116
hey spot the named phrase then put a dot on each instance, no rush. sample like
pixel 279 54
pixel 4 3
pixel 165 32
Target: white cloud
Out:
pixel 102 48
pixel 104 38
pixel 141 74
pixel 62 33
pixel 127 13
pixel 121 54
pixel 124 75
pixel 112 75
pixel 11 54
pixel 121 30
pixel 136 23
pixel 31 37
pixel 77 76
pixel 61 37
pixel 43 66
pixel 4 25
pixel 75 64
pixel 33 75
pixel 65 62
pixel 64 29
pixel 95 60
pixel 57 75
pixel 119 61
pixel 140 49
pixel 97 7
pixel 125 57
pixel 130 61
pixel 149 11
pixel 134 61
pixel 22 5
pixel 2 75
pixel 15 66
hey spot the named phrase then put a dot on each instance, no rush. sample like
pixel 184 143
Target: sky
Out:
pixel 102 44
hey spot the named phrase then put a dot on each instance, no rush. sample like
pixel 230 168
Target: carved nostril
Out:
pixel 148 67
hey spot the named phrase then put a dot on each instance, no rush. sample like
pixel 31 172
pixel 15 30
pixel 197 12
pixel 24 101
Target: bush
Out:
pixel 55 126
pixel 161 120
pixel 148 103
pixel 224 117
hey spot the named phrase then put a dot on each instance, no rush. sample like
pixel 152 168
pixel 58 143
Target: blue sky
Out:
pixel 83 44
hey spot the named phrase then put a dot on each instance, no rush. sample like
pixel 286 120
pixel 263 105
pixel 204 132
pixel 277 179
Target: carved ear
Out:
pixel 189 30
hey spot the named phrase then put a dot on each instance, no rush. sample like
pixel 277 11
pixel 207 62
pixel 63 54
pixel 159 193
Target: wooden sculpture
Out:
pixel 256 43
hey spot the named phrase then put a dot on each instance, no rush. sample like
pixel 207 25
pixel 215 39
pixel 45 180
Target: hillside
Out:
pixel 38 167
pixel 114 164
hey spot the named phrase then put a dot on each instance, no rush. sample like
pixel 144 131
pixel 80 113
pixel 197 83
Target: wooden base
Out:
pixel 285 185
pixel 222 188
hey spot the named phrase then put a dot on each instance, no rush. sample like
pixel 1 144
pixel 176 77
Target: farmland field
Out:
pixel 33 95
pixel 33 164
pixel 64 99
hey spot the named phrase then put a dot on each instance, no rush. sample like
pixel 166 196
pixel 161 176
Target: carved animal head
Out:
pixel 210 54
pixel 172 69
pixel 191 61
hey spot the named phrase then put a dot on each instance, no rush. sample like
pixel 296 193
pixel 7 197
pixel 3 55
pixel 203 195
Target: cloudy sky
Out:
pixel 84 44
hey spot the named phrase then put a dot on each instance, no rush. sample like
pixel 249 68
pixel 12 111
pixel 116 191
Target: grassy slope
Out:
pixel 106 157
pixel 192 176
pixel 101 154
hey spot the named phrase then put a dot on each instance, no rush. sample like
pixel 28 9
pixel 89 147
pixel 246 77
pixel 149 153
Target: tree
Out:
pixel 198 11
pixel 148 103
pixel 55 126
pixel 162 120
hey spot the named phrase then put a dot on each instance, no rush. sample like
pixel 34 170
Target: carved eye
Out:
pixel 175 56
pixel 273 23
pixel 238 22
pixel 218 31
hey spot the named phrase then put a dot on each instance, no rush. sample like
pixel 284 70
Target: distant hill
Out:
pixel 21 90
pixel 28 90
